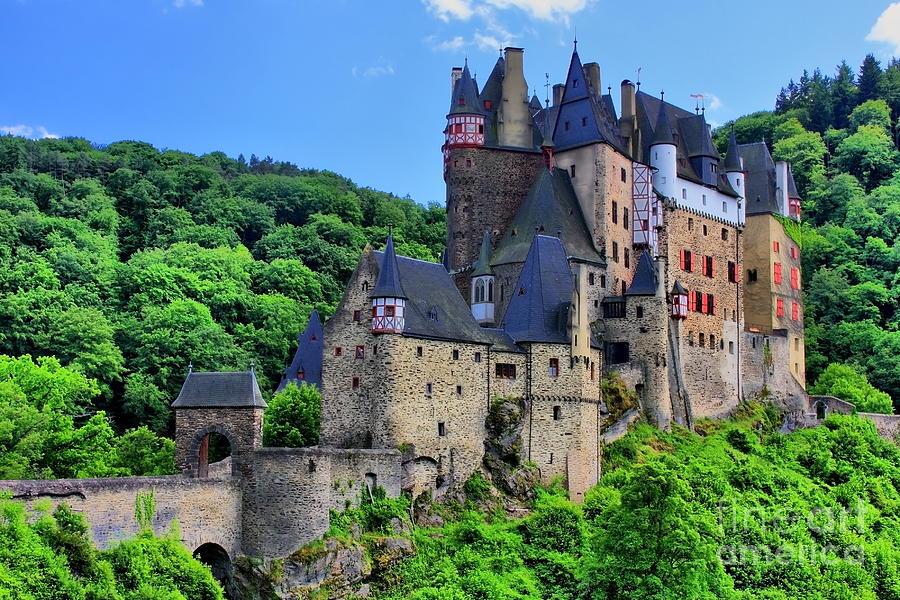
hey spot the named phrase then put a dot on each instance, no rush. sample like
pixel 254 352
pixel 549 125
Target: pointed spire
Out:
pixel 483 265
pixel 733 158
pixel 662 133
pixel 388 284
pixel 465 94
pixel 678 289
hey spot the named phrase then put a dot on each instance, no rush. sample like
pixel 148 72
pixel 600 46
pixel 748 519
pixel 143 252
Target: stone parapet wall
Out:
pixel 207 510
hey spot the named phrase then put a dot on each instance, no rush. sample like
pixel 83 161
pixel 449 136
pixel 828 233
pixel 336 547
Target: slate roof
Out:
pixel 308 358
pixel 465 89
pixel 760 180
pixel 539 307
pixel 691 133
pixel 662 131
pixel 435 309
pixel 792 185
pixel 733 157
pixel 678 288
pixel 550 207
pixel 388 284
pixel 589 121
pixel 483 264
pixel 220 390
pixel 644 282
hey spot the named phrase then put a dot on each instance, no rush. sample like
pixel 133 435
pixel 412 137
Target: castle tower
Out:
pixel 465 122
pixel 662 155
pixel 228 404
pixel 306 367
pixel 483 285
pixel 388 299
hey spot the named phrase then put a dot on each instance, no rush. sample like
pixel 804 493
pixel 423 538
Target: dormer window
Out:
pixel 488 104
pixel 575 83
pixel 462 101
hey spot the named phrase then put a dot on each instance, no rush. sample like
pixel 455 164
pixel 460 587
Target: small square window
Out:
pixel 705 230
pixel 639 311
pixel 338 350
pixel 572 168
pixel 356 315
pixel 724 235
pixel 557 413
pixel 428 388
pixel 455 355
pixel 360 352
pixel 553 370
pixel 624 175
pixel 355 383
pixel 442 429
pixel 375 349
pixel 459 390
pixel 478 357
pixel 419 351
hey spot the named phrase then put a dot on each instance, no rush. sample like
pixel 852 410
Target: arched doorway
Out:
pixel 821 410
pixel 218 561
pixel 211 446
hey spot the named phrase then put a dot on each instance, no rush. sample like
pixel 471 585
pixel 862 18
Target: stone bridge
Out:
pixel 279 502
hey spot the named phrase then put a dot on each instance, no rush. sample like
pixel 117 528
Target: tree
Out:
pixel 848 384
pixel 869 79
pixel 655 543
pixel 868 154
pixel 293 417
pixel 806 152
pixel 843 95
pixel 871 112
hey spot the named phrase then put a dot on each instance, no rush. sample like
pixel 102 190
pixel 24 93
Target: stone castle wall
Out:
pixel 207 510
pixel 763 371
pixel 485 187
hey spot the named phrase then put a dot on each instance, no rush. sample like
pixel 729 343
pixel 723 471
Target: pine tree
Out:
pixel 819 103
pixel 869 79
pixel 843 95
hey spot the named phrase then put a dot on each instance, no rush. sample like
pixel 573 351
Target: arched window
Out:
pixel 490 293
pixel 479 291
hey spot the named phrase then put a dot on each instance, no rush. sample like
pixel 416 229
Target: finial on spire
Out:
pixel 662 95
pixel 390 229
pixel 639 78
pixel 547 90
pixel 252 367
pixel 190 367
pixel 575 34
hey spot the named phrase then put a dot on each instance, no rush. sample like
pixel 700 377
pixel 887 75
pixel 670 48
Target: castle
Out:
pixel 580 241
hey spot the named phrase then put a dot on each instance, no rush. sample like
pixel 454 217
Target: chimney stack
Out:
pixel 592 74
pixel 558 90
pixel 628 119
pixel 514 115
pixel 455 75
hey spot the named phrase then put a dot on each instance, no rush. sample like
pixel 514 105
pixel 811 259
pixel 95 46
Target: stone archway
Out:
pixel 219 562
pixel 821 410
pixel 199 450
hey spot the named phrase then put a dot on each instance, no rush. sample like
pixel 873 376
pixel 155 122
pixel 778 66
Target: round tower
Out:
pixel 465 122
pixel 734 165
pixel 388 299
pixel 663 155
pixel 483 285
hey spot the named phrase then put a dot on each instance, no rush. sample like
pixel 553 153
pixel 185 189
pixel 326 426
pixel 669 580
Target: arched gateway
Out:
pixel 229 404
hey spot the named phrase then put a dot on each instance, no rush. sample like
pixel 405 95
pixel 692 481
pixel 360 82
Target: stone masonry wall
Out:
pixel 434 403
pixel 288 492
pixel 709 373
pixel 485 187
pixel 207 510
pixel 347 412
pixel 758 373
pixel 241 426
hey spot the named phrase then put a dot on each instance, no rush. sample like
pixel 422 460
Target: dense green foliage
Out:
pixel 738 511
pixel 293 417
pixel 45 430
pixel 840 134
pixel 50 556
pixel 126 262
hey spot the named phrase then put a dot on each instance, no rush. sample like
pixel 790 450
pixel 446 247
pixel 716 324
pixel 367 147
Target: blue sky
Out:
pixel 362 87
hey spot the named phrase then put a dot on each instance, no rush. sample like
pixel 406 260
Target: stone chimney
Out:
pixel 628 120
pixel 514 115
pixel 455 74
pixel 558 90
pixel 592 74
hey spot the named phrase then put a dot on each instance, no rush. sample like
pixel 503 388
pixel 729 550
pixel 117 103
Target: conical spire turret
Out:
pixel 388 284
pixel 733 158
pixel 483 265
pixel 662 133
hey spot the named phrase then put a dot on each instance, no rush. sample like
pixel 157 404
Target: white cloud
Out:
pixel 380 69
pixel 183 3
pixel 27 131
pixel 711 101
pixel 887 28
pixel 450 9
pixel 545 10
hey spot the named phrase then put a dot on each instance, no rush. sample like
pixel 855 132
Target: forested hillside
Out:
pixel 840 134
pixel 125 263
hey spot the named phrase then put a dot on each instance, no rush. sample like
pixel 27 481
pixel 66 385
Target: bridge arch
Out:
pixel 219 562
pixel 199 450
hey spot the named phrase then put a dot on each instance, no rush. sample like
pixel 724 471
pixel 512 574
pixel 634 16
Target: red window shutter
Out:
pixel 692 302
pixel 682 260
pixel 777 272
pixel 704 303
pixel 779 307
pixel 690 261
pixel 795 278
pixel 795 311
pixel 712 267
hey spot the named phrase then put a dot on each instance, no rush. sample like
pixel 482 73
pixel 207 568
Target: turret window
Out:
pixel 553 370
pixel 557 413
pixel 583 121
pixel 490 291
pixel 479 291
